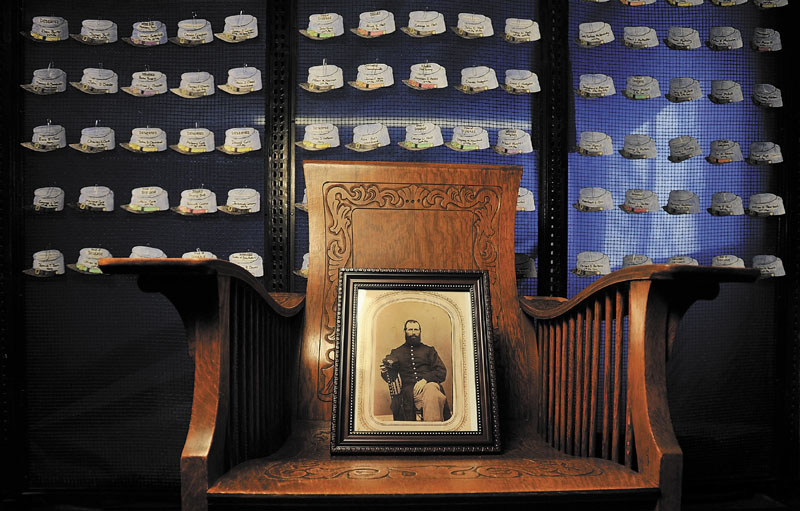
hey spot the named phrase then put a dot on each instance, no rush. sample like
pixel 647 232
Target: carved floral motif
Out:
pixel 341 200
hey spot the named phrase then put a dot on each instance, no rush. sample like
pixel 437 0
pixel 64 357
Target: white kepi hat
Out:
pixel 373 76
pixel 594 33
pixel 195 141
pixel 724 151
pixel 726 204
pixel 682 148
pixel 683 38
pixel 468 138
pixel 766 39
pixel 198 255
pixel 640 37
pixel 373 24
pixel 323 26
pixel 513 141
pixel 424 24
pixel 242 201
pixel 426 76
pixel 725 91
pixel 765 205
pixel 95 139
pixel 193 32
pixel 319 136
pixel 147 199
pixel 724 38
pixel 145 252
pixel 97 81
pixel 521 81
pixel 770 265
pixel 521 31
pixel 323 78
pixel 48 29
pixel 595 143
pixel 196 84
pixel 367 137
pixel 767 95
pixel 641 87
pixel 525 200
pixel 477 79
pixel 473 26
pixel 640 201
pixel 47 81
pixel 592 199
pixel 46 138
pixel 250 261
pixel 590 263
pixel 683 259
pixel 242 80
pixel 764 153
pixel 96 32
pixel 422 136
pixel 638 147
pixel 240 141
pixel 595 85
pixel 88 260
pixel 147 83
pixel 197 201
pixel 683 89
pixel 682 202
pixel 49 199
pixel 239 27
pixel 303 271
pixel 147 33
pixel 146 140
pixel 46 263
pixel 635 260
pixel 95 199
pixel 728 260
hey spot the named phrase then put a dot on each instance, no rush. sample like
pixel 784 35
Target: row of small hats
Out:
pixel 367 137
pixel 424 76
pixel 191 32
pixel 763 4
pixel 378 23
pixel 679 38
pixel 681 89
pixel 97 81
pixel 682 148
pixel 97 139
pixel 680 202
pixel 591 263
pixel 149 199
pixel 50 262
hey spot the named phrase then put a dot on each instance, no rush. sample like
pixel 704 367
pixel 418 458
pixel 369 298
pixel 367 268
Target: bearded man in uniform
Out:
pixel 415 372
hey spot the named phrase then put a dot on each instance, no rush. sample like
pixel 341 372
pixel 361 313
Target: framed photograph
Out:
pixel 414 368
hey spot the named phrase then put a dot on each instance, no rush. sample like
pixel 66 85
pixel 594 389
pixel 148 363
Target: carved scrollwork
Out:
pixel 341 200
pixel 316 470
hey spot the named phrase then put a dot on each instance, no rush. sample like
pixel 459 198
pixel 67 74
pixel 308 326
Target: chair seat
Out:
pixel 304 467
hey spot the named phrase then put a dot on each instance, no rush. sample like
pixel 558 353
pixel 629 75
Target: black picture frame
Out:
pixel 372 407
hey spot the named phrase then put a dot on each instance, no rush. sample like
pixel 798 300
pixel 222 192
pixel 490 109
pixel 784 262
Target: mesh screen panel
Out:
pixel 398 106
pixel 108 376
pixel 722 374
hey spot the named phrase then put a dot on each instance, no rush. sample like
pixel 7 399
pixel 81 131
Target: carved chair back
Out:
pixel 410 215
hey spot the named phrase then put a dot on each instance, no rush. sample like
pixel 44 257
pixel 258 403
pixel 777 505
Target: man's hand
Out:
pixel 419 386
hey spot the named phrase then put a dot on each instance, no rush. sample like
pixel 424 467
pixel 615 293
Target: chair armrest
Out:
pixel 243 341
pixel 588 404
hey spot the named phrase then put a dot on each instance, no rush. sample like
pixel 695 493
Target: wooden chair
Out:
pixel 583 406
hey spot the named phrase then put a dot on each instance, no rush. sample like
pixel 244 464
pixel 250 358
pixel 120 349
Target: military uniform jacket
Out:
pixel 415 363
